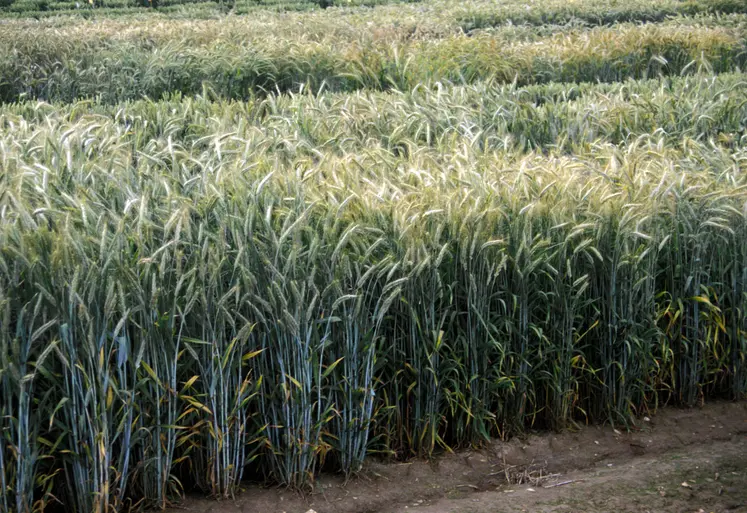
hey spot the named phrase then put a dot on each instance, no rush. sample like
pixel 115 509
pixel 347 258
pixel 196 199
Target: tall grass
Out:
pixel 484 15
pixel 117 67
pixel 204 306
pixel 489 116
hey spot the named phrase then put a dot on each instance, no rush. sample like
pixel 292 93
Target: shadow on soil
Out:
pixel 678 461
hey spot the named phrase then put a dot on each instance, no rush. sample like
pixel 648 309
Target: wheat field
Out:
pixel 266 239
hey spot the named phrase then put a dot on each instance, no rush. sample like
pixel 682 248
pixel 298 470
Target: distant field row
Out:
pixel 151 53
pixel 193 8
pixel 467 15
pixel 233 60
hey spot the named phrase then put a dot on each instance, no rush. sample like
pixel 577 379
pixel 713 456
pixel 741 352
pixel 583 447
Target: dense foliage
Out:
pixel 232 248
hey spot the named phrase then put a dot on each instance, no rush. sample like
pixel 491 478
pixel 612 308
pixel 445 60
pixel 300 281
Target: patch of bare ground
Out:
pixel 679 461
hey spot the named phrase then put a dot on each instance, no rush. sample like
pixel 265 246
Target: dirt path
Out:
pixel 680 461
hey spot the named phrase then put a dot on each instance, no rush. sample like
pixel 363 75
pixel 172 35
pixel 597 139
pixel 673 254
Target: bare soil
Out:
pixel 691 460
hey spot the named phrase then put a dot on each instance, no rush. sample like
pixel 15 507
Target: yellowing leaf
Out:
pixel 249 356
pixel 332 367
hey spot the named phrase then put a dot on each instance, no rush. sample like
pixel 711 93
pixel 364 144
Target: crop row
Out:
pixel 63 69
pixel 178 310
pixel 566 117
pixel 467 16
